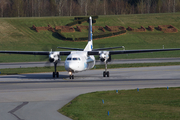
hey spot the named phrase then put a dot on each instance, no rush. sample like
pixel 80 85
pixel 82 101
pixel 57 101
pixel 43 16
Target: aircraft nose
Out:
pixel 70 66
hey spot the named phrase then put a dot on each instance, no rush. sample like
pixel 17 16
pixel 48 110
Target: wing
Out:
pixel 140 51
pixel 131 51
pixel 26 52
pixel 35 52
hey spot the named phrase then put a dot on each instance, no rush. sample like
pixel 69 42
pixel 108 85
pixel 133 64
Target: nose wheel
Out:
pixel 71 76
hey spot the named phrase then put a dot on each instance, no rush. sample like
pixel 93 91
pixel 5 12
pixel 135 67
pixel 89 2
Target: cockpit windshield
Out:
pixel 68 58
pixel 74 58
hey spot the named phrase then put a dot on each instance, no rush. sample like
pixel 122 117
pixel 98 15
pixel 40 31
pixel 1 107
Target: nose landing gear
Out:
pixel 71 76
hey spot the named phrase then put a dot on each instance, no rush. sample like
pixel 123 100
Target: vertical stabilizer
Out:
pixel 89 46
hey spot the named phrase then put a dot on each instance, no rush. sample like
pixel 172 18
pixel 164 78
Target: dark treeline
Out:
pixel 38 8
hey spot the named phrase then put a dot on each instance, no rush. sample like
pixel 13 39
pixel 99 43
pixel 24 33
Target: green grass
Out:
pixel 15 34
pixel 13 71
pixel 147 104
pixel 10 71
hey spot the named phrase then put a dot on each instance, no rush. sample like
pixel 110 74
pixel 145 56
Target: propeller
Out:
pixel 105 55
pixel 52 57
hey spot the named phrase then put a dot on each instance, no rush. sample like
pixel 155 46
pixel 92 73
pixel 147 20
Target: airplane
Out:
pixel 80 60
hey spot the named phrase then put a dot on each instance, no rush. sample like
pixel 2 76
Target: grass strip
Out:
pixel 147 104
pixel 16 34
pixel 10 71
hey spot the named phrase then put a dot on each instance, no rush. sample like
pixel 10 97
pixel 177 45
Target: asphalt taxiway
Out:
pixel 39 96
pixel 121 61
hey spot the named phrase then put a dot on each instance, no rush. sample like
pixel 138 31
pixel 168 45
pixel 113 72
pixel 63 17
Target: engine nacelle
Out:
pixel 104 56
pixel 54 57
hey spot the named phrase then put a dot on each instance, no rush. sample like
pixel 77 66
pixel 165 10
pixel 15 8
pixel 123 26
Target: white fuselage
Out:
pixel 79 61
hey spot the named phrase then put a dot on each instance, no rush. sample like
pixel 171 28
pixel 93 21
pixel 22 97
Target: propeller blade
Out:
pixel 47 64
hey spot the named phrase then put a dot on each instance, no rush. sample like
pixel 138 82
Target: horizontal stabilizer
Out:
pixel 79 49
pixel 99 49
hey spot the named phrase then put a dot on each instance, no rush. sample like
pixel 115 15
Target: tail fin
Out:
pixel 89 46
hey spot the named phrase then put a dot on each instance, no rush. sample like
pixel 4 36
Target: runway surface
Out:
pixel 122 61
pixel 39 96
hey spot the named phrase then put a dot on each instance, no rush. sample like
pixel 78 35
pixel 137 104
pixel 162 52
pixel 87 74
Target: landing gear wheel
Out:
pixel 106 73
pixel 71 76
pixel 53 74
pixel 57 74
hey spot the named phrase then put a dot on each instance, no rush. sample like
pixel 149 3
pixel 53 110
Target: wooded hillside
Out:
pixel 39 8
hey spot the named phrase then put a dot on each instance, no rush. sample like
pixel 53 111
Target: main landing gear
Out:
pixel 55 74
pixel 106 73
pixel 71 76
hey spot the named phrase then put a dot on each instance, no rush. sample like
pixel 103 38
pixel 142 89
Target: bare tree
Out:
pixel 148 6
pixel 60 5
pixel 96 6
pixel 17 5
pixel 105 2
pixel 2 5
pixel 174 6
pixel 159 5
pixel 116 7
pixel 70 7
pixel 169 5
pixel 39 8
pixel 85 8
pixel 32 7
pixel 132 11
pixel 142 6
pixel 81 3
